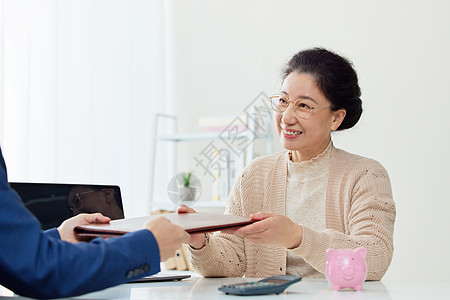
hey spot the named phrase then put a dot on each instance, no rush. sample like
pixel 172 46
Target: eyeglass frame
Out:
pixel 78 196
pixel 286 98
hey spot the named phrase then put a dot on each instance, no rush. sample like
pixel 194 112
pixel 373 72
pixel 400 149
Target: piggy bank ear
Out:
pixel 331 252
pixel 361 252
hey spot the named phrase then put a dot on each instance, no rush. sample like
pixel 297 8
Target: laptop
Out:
pixel 52 203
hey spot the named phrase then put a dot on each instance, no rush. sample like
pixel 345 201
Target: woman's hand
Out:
pixel 198 240
pixel 66 228
pixel 271 229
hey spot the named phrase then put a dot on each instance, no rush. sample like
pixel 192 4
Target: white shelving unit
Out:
pixel 175 138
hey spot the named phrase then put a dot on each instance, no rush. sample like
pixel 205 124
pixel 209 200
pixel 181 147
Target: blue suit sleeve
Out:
pixel 53 233
pixel 40 265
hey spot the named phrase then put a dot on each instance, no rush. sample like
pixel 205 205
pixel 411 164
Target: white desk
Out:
pixel 197 288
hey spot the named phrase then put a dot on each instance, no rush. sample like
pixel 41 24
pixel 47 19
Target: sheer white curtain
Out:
pixel 80 81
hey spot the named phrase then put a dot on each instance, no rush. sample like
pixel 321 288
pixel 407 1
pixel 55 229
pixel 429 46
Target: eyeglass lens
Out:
pixel 302 108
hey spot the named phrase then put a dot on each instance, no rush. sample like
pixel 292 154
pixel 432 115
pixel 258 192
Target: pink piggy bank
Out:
pixel 346 268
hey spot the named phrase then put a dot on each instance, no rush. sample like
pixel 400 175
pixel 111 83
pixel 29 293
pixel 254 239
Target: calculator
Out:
pixel 270 285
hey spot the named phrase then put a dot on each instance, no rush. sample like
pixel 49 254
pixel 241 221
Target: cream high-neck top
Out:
pixel 305 203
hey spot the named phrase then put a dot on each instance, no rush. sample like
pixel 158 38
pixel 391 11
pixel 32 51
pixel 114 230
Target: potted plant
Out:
pixel 187 179
pixel 187 191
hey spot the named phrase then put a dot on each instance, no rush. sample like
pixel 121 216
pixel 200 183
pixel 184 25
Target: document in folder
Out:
pixel 191 222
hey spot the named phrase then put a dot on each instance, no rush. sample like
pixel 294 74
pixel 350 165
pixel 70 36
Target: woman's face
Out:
pixel 307 138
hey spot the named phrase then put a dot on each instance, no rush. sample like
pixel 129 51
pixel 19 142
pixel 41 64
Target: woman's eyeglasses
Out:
pixel 303 107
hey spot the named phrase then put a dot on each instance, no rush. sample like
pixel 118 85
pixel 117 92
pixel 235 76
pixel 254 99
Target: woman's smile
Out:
pixel 291 134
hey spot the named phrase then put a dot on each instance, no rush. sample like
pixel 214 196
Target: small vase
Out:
pixel 187 195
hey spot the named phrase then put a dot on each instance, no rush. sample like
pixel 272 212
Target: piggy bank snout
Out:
pixel 348 270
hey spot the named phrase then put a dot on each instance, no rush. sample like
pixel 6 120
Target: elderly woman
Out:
pixel 310 197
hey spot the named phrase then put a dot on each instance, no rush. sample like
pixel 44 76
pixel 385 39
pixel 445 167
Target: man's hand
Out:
pixel 66 228
pixel 168 236
pixel 198 240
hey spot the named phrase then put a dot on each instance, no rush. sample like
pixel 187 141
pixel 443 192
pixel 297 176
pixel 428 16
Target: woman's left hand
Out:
pixel 271 229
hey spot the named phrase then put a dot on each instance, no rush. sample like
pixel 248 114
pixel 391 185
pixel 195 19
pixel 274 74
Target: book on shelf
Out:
pixel 220 123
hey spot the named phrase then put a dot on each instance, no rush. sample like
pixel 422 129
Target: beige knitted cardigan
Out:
pixel 360 211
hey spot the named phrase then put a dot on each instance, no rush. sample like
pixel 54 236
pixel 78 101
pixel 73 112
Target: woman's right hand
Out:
pixel 198 240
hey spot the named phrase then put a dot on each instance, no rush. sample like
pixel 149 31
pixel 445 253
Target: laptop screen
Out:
pixel 52 203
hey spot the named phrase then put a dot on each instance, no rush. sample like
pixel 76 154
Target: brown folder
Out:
pixel 191 222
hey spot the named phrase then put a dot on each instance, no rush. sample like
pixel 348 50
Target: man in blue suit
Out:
pixel 52 264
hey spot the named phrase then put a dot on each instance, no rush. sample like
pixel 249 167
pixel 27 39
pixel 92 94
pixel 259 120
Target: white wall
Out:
pixel 223 53
pixel 81 81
